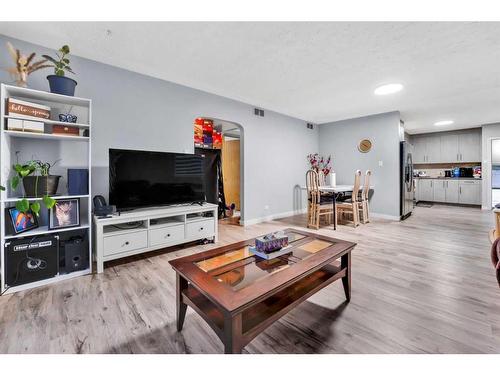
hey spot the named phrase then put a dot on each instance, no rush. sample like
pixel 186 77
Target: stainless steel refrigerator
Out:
pixel 406 180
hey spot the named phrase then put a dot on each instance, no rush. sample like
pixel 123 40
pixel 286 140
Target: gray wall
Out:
pixel 489 132
pixel 340 139
pixel 134 111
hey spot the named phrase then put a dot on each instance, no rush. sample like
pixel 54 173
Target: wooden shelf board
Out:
pixel 45 230
pixel 49 122
pixel 19 134
pixel 51 280
pixel 15 199
pixel 25 93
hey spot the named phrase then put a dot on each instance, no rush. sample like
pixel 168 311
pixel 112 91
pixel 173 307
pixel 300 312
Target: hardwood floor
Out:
pixel 424 285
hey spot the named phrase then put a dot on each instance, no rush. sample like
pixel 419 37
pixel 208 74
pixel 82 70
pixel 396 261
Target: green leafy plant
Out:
pixel 38 168
pixel 61 65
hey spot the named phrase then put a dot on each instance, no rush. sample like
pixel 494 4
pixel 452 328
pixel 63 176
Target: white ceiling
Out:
pixel 318 72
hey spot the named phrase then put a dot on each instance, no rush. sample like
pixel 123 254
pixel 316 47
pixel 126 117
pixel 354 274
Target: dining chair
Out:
pixel 351 207
pixel 363 202
pixel 318 206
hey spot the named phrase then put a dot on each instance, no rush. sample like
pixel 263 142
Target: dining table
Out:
pixel 336 191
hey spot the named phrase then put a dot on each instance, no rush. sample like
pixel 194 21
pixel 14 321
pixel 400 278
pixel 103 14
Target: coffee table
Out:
pixel 239 294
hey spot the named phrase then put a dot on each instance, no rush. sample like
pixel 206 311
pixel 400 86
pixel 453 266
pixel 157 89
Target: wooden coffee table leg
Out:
pixel 232 334
pixel 345 262
pixel 181 285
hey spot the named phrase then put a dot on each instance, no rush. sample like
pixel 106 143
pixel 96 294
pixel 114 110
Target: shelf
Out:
pixel 65 276
pixel 18 134
pixel 8 200
pixel 50 122
pixel 45 230
pixel 22 92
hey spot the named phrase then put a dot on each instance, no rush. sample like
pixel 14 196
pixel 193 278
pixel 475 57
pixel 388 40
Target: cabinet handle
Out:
pixel 168 235
pixel 201 228
pixel 126 243
pixel 460 189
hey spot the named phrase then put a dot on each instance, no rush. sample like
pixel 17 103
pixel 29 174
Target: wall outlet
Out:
pixel 380 163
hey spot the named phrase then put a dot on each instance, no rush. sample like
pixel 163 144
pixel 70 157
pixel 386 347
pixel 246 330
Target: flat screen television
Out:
pixel 145 178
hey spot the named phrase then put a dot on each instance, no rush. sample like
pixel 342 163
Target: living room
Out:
pixel 324 187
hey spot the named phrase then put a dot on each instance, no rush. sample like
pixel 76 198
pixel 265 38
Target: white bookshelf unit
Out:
pixel 70 151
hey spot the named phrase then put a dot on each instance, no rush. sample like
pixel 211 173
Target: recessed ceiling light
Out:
pixel 390 88
pixel 444 122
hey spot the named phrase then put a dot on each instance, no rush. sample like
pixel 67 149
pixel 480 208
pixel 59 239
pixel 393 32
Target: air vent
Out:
pixel 258 112
pixel 310 126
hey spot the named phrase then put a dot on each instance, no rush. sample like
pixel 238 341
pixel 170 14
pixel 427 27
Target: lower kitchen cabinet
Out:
pixel 469 192
pixel 451 191
pixel 445 191
pixel 448 191
pixel 426 190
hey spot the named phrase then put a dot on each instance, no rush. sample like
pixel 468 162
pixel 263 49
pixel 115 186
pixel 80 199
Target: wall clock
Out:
pixel 365 145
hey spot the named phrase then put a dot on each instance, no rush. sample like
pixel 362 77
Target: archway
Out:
pixel 229 134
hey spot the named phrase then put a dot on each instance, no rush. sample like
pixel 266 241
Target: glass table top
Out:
pixel 240 268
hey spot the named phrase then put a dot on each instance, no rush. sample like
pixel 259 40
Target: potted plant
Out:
pixel 36 178
pixel 59 84
pixel 37 183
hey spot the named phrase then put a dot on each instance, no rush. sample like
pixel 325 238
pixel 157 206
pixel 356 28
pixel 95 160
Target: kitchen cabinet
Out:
pixel 418 154
pixel 449 148
pixel 469 147
pixel 452 147
pixel 426 150
pixel 445 191
pixel 451 191
pixel 448 191
pixel 469 192
pixel 426 190
pixel 439 190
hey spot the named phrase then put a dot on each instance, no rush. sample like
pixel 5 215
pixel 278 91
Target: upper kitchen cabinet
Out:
pixel 469 146
pixel 449 147
pixel 426 149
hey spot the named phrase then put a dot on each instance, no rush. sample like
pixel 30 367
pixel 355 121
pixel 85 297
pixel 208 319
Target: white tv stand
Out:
pixel 158 228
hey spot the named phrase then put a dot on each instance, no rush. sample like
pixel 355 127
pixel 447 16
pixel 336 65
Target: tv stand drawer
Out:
pixel 200 229
pixel 165 235
pixel 122 243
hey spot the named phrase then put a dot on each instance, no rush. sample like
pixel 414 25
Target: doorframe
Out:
pixel 242 162
pixel 486 177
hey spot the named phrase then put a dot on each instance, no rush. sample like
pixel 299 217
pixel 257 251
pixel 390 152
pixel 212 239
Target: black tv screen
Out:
pixel 145 178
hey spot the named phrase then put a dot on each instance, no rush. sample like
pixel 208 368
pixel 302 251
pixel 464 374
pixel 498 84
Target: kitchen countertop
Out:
pixel 448 178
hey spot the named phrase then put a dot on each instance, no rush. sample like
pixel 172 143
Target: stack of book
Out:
pixel 26 116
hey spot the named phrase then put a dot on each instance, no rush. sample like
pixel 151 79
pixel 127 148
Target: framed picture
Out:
pixel 64 214
pixel 22 222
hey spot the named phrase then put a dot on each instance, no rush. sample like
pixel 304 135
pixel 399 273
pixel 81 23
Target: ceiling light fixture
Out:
pixel 390 88
pixel 444 122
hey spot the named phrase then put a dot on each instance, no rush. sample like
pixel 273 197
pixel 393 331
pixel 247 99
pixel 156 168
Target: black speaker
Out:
pixel 74 254
pixel 31 259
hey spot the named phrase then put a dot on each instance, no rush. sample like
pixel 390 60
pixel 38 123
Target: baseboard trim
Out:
pixel 385 216
pixel 272 217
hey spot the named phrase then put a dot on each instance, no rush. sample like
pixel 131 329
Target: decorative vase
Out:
pixel 62 85
pixel 46 185
pixel 331 179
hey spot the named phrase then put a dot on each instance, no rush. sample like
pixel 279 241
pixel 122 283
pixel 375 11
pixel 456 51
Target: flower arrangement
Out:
pixel 24 65
pixel 320 163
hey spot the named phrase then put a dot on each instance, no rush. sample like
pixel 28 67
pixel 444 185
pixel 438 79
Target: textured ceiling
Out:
pixel 318 72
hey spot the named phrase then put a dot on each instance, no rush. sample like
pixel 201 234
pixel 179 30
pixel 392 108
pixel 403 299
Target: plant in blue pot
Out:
pixel 59 84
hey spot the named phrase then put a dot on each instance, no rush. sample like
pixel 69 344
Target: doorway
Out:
pixel 224 138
